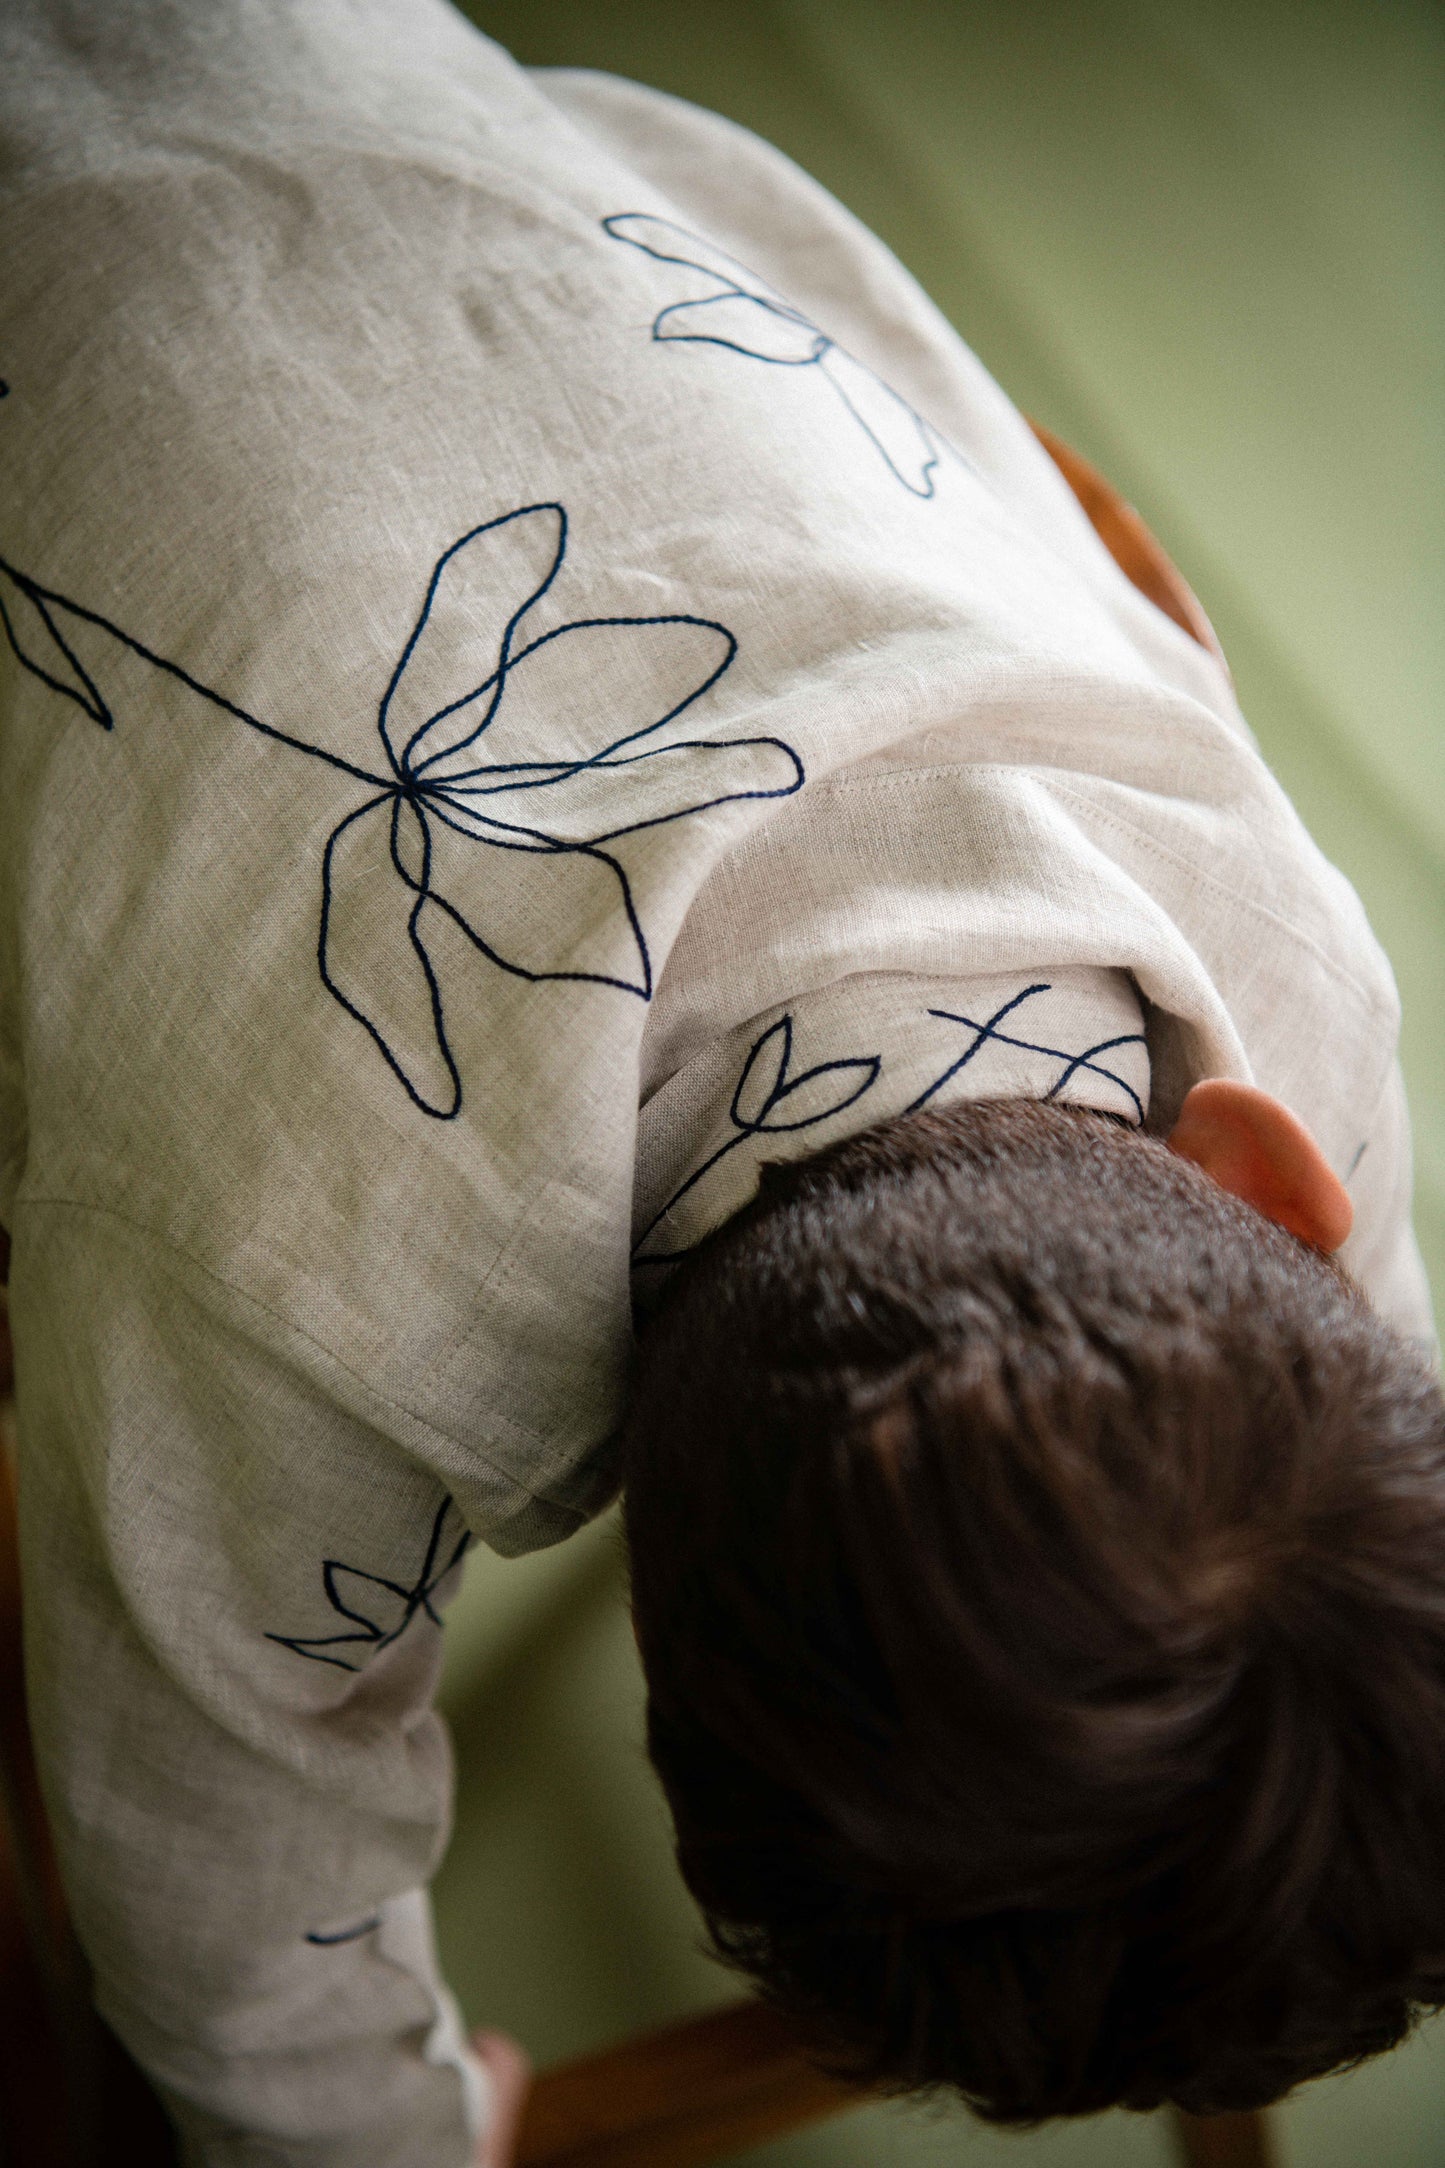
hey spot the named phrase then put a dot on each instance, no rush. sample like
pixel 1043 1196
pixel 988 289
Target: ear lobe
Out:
pixel 1251 1145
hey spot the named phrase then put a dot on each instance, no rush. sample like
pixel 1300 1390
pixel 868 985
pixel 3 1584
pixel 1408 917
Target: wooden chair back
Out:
pixel 1129 542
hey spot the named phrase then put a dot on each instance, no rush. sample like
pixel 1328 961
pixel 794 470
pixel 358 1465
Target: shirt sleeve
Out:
pixel 232 1594
pixel 1382 1255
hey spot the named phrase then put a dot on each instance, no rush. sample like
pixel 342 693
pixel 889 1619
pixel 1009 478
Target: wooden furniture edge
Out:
pixel 1140 557
pixel 705 2087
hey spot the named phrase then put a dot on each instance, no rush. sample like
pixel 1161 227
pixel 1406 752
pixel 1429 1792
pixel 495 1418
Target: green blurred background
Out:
pixel 1206 244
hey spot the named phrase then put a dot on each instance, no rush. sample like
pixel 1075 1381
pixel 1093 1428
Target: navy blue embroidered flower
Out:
pixel 771 1102
pixel 745 315
pixel 550 746
pixel 377 1610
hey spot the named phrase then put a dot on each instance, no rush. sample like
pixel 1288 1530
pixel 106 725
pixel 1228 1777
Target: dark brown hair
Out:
pixel 1039 1568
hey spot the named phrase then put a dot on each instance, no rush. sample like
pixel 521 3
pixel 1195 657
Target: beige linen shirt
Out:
pixel 537 672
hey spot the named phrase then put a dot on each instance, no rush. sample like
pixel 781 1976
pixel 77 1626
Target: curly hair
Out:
pixel 1038 1562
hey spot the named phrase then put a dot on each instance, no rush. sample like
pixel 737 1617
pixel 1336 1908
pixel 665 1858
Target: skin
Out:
pixel 511 2075
pixel 1250 1144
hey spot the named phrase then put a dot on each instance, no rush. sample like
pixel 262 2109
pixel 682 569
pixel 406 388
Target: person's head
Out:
pixel 1038 1564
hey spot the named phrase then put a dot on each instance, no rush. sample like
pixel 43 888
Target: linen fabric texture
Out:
pixel 538 674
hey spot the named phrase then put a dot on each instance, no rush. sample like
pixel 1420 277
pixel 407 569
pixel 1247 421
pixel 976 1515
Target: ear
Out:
pixel 1251 1145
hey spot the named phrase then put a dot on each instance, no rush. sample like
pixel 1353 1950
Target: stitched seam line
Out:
pixel 263 1309
pixel 843 785
pixel 1151 845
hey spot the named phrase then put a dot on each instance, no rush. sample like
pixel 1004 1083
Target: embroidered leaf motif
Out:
pixel 902 438
pixel 448 677
pixel 578 802
pixel 38 644
pixel 768 1098
pixel 375 885
pixel 378 1610
pixel 668 242
pixel 747 316
pixel 770 1101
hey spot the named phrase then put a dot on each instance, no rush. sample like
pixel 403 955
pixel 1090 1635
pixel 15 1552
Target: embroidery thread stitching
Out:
pixel 783 1087
pixel 985 1032
pixel 414 1596
pixel 426 789
pixel 345 1934
pixel 909 446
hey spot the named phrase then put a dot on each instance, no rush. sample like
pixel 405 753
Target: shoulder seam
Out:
pixel 183 1256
